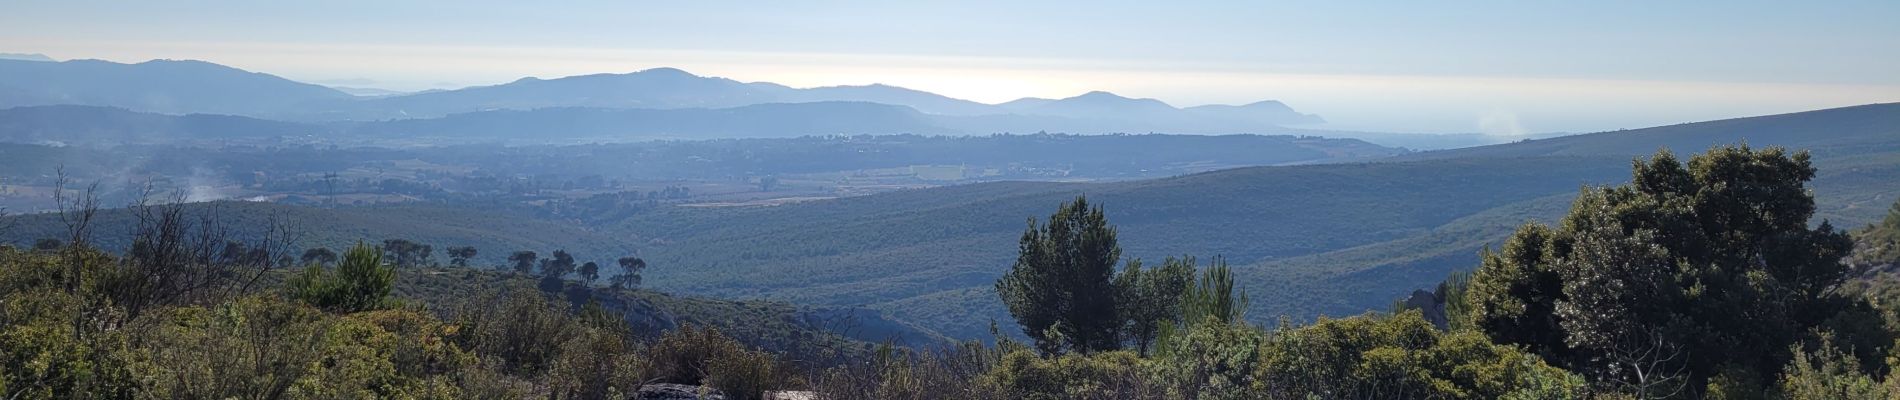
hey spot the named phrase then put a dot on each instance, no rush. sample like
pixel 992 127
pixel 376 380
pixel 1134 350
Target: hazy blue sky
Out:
pixel 1399 66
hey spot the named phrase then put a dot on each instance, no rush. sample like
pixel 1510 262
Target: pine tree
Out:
pixel 1151 298
pixel 1061 288
pixel 1213 297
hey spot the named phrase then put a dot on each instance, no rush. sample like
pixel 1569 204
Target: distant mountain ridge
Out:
pixel 671 88
pixel 758 120
pixel 1265 112
pixel 184 87
pixel 161 86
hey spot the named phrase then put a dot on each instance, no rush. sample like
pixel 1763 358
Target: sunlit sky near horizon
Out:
pixel 1496 67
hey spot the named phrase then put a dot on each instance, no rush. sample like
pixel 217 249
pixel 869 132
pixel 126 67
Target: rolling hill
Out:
pixel 1833 133
pixel 69 124
pixel 1856 149
pixel 1312 240
pixel 886 249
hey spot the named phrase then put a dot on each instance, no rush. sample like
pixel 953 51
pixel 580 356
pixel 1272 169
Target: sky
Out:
pixel 1503 67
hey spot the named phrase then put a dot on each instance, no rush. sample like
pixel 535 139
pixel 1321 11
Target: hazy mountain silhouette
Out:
pixel 926 102
pixel 669 88
pixel 72 124
pixel 759 120
pixel 658 88
pixel 1270 112
pixel 178 87
pixel 1105 105
pixel 1025 104
pixel 25 57
pixel 370 91
pixel 163 86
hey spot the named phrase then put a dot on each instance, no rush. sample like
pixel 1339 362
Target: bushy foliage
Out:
pixel 1209 359
pixel 1880 243
pixel 745 375
pixel 361 282
pixel 1402 356
pixel 1692 270
pixel 896 373
pixel 600 364
pixel 1151 298
pixel 680 356
pixel 1105 375
pixel 520 330
pixel 1826 372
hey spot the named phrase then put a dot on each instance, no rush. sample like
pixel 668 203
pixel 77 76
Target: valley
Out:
pixel 972 200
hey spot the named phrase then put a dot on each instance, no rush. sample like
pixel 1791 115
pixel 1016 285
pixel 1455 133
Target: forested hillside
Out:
pixel 930 252
pixel 1310 240
pixel 1527 324
pixel 1412 221
pixel 1830 133
pixel 494 233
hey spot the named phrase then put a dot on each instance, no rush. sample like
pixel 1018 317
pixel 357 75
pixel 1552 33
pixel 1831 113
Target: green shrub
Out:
pixel 1401 356
pixel 426 348
pixel 361 282
pixel 262 347
pixel 599 364
pixel 1829 373
pixel 744 374
pixel 1106 375
pixel 681 355
pixel 1210 360
pixel 895 373
pixel 520 331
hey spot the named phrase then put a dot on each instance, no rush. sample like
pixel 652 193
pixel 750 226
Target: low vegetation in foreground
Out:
pixel 1699 279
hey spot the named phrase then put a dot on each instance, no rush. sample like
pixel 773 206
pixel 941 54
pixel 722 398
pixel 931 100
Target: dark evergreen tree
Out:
pixel 1061 287
pixel 590 272
pixel 557 265
pixel 1151 298
pixel 524 261
pixel 460 255
pixel 629 276
pixel 320 255
pixel 405 253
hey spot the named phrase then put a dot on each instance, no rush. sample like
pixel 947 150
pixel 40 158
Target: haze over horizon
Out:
pixel 1497 68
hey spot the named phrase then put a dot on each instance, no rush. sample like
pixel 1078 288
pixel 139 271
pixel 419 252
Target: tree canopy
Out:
pixel 1692 274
